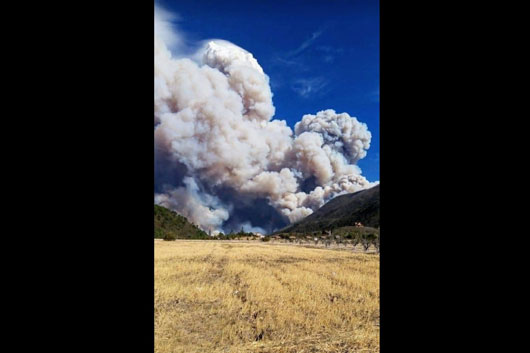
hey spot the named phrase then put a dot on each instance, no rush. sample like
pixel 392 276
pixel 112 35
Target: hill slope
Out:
pixel 169 224
pixel 344 210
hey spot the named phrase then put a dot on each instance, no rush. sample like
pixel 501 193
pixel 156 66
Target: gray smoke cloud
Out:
pixel 219 153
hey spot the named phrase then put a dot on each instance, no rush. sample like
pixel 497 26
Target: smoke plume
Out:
pixel 223 161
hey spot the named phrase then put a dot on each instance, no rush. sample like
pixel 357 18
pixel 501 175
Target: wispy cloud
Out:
pixel 329 49
pixel 293 60
pixel 308 87
pixel 298 64
pixel 329 53
pixel 292 63
pixel 305 44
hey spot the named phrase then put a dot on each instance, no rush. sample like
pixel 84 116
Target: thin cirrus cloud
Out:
pixel 295 64
pixel 290 58
pixel 329 53
pixel 305 44
pixel 307 87
pixel 330 49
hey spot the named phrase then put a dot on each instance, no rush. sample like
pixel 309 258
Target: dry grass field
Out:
pixel 222 296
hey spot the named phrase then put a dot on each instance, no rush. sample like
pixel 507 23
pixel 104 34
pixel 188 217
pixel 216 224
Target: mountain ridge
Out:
pixel 344 210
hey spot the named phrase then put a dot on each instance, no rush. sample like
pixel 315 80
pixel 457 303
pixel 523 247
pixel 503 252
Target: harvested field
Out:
pixel 220 296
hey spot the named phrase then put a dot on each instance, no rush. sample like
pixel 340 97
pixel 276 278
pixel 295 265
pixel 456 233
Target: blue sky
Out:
pixel 318 54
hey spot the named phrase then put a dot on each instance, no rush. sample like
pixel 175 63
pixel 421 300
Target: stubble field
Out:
pixel 222 296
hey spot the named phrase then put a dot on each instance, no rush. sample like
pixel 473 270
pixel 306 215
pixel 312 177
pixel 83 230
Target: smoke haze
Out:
pixel 221 159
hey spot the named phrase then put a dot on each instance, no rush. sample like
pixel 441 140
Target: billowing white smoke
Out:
pixel 200 207
pixel 213 118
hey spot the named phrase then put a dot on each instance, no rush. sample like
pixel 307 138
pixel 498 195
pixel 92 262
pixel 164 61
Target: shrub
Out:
pixel 169 236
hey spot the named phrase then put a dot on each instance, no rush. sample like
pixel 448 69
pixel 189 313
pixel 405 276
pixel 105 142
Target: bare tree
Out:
pixel 366 243
pixel 355 241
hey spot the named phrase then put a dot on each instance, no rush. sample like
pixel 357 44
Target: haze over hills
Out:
pixel 342 211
